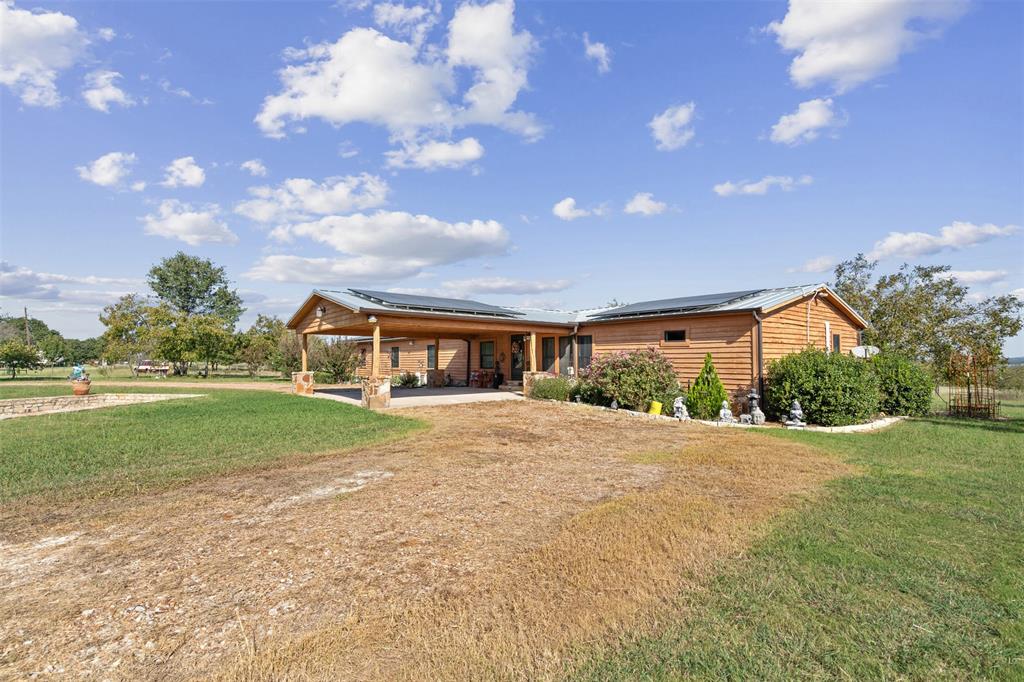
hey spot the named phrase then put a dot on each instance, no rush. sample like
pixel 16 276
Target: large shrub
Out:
pixel 833 389
pixel 905 388
pixel 704 400
pixel 631 378
pixel 551 388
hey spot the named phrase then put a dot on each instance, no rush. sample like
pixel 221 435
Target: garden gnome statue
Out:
pixel 725 414
pixel 679 410
pixel 615 404
pixel 796 416
pixel 756 415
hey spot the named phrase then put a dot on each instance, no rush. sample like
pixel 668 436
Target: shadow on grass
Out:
pixel 1003 425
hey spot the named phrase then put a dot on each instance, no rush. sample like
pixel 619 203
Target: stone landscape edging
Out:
pixel 13 408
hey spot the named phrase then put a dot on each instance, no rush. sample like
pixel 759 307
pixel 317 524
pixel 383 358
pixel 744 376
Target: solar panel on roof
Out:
pixel 670 305
pixel 433 303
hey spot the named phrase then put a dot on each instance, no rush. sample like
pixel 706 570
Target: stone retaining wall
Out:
pixel 26 407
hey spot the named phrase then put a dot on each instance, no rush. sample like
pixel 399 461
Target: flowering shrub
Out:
pixel 631 378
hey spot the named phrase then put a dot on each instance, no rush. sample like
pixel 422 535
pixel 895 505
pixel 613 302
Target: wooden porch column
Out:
pixel 533 351
pixel 375 364
pixel 305 352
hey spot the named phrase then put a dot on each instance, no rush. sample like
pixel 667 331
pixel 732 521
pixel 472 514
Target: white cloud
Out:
pixel 435 154
pixel 672 128
pixel 109 170
pixel 411 90
pixel 645 204
pixel 599 53
pixel 22 283
pixel 849 43
pixel 976 276
pixel 298 199
pixel 1018 293
pixel 106 34
pixel 177 220
pixel 761 187
pixel 804 124
pixel 954 237
pixel 255 168
pixel 381 246
pixel 816 265
pixel 166 86
pixel 347 150
pixel 184 172
pixel 566 210
pixel 138 186
pixel 37 46
pixel 413 22
pixel 101 91
pixel 502 285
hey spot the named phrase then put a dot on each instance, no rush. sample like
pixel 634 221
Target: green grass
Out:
pixel 122 373
pixel 123 450
pixel 913 570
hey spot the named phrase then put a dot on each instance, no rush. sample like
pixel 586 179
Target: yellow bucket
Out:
pixel 655 407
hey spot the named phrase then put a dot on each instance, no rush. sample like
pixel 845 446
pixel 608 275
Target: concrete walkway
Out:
pixel 422 397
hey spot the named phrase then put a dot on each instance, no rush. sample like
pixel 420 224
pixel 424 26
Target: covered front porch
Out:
pixel 499 343
pixel 422 397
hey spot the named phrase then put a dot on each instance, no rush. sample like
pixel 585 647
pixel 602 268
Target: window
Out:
pixel 585 346
pixel 394 357
pixel 564 355
pixel 835 343
pixel 431 356
pixel 547 354
pixel 675 335
pixel 487 355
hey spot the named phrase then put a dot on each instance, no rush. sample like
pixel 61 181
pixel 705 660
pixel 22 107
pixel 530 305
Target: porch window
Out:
pixel 394 357
pixel 585 346
pixel 431 356
pixel 547 353
pixel 487 355
pixel 836 343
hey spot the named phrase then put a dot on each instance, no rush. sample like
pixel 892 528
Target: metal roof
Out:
pixel 665 306
pixel 433 303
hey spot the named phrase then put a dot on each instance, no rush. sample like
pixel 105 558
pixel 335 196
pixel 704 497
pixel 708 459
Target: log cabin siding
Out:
pixel 802 323
pixel 729 339
pixel 412 357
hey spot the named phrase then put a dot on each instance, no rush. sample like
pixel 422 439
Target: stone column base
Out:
pixel 530 377
pixel 377 393
pixel 302 383
pixel 435 378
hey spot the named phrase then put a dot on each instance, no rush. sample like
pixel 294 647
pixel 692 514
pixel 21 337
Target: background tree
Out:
pixel 54 349
pixel 258 346
pixel 289 357
pixel 340 359
pixel 129 335
pixel 17 355
pixel 195 286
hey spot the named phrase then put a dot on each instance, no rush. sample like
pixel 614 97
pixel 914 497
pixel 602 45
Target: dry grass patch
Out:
pixel 606 571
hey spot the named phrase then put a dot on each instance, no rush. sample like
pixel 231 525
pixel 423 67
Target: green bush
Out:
pixel 551 388
pixel 704 401
pixel 833 389
pixel 905 388
pixel 406 380
pixel 631 378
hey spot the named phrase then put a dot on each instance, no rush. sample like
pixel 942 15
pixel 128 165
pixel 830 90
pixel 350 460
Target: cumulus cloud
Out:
pixel 255 168
pixel 976 276
pixel 436 154
pixel 101 90
pixel 298 199
pixel 177 220
pixel 805 124
pixel 411 90
pixel 381 246
pixel 37 47
pixel 566 210
pixel 954 237
pixel 184 172
pixel 413 22
pixel 761 187
pixel 23 283
pixel 672 128
pixel 177 91
pixel 849 43
pixel 645 204
pixel 110 170
pixel 106 34
pixel 599 53
pixel 816 265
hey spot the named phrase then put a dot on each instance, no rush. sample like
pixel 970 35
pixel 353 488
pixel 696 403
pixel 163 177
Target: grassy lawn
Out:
pixel 122 373
pixel 912 571
pixel 122 450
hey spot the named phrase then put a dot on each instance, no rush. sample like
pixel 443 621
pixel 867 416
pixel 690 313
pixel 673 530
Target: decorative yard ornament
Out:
pixel 80 382
pixel 725 414
pixel 756 415
pixel 865 351
pixel 796 416
pixel 78 374
pixel 679 410
pixel 615 404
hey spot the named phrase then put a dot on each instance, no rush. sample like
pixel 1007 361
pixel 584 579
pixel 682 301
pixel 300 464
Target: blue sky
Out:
pixel 545 154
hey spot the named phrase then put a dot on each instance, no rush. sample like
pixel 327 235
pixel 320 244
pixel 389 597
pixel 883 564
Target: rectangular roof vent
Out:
pixel 666 306
pixel 433 303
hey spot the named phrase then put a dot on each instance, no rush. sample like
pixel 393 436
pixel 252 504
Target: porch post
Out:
pixel 376 391
pixel 435 377
pixel 533 351
pixel 305 352
pixel 375 365
pixel 302 382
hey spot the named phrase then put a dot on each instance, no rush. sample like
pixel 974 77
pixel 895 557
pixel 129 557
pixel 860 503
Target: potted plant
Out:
pixel 80 382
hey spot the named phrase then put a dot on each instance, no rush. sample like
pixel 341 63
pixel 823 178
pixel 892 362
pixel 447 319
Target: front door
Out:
pixel 518 357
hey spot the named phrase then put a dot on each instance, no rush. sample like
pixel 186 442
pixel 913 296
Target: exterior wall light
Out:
pixel 372 319
pixel 321 311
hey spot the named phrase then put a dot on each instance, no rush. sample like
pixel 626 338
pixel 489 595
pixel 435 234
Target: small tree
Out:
pixel 258 346
pixel 54 349
pixel 15 355
pixel 289 356
pixel 128 335
pixel 707 393
pixel 340 359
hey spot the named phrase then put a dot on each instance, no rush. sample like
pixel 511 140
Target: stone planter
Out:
pixel 81 387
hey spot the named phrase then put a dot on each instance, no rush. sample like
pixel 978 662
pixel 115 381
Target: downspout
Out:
pixel 760 357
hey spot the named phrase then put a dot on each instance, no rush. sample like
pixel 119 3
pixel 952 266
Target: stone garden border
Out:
pixel 12 408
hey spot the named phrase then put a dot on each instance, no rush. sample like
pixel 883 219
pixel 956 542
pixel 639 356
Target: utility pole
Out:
pixel 28 336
